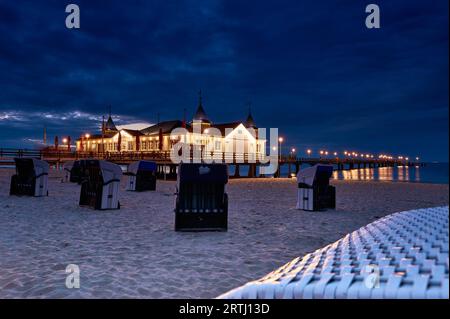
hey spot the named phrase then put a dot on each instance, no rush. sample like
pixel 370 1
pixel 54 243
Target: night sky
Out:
pixel 310 68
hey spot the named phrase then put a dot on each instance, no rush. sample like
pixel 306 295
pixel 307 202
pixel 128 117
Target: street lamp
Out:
pixel 308 151
pixel 86 137
pixel 280 140
pixel 293 151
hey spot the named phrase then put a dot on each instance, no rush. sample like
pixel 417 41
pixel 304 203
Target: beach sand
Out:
pixel 134 252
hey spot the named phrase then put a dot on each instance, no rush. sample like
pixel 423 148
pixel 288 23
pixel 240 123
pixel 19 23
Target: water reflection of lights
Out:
pixel 400 173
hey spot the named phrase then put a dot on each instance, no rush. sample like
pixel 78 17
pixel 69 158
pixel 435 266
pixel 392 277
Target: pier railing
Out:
pixel 60 156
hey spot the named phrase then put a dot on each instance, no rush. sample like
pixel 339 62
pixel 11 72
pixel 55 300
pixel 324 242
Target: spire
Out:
pixel 200 114
pixel 45 136
pixel 110 126
pixel 249 122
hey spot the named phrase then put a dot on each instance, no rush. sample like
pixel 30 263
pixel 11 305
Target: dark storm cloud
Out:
pixel 310 68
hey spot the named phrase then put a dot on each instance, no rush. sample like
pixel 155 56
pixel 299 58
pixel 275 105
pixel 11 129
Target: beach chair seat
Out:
pixel 31 178
pixel 201 202
pixel 141 176
pixel 314 189
pixel 100 185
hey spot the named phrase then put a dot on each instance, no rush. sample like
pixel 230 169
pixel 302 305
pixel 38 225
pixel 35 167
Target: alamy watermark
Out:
pixel 73 17
pixel 210 146
pixel 73 276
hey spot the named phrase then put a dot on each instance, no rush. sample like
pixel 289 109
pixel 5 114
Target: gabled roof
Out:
pixel 166 127
pixel 133 132
pixel 222 127
pixel 98 136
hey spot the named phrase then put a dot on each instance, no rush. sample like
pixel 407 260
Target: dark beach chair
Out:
pixel 100 183
pixel 314 189
pixel 77 171
pixel 201 202
pixel 141 176
pixel 31 178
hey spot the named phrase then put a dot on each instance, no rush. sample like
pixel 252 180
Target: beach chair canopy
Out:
pixel 318 172
pixel 147 166
pixel 31 166
pixel 203 173
pixel 68 165
pixel 110 172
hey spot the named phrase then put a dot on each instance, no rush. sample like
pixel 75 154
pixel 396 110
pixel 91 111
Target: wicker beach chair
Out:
pixel 100 185
pixel 67 167
pixel 314 189
pixel 401 256
pixel 77 171
pixel 31 178
pixel 201 202
pixel 141 176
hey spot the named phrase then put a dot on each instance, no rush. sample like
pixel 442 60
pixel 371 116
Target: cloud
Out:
pixel 310 68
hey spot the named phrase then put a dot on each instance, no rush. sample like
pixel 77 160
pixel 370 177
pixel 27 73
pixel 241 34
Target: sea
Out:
pixel 435 173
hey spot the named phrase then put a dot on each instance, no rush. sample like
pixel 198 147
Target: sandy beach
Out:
pixel 135 253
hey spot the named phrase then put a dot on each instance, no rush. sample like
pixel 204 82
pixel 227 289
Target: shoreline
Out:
pixel 135 253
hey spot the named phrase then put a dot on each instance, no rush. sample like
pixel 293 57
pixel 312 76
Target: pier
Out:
pixel 168 169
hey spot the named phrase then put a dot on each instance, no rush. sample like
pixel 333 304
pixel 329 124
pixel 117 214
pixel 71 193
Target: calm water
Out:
pixel 431 173
pixel 436 173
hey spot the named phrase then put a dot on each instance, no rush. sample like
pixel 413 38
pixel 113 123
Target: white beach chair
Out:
pixel 401 256
pixel 100 186
pixel 31 178
pixel 314 189
pixel 67 167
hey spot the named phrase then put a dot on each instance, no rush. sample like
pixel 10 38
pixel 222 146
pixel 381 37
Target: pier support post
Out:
pixel 252 170
pixel 236 170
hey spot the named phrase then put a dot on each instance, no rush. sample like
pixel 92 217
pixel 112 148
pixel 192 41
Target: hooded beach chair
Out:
pixel 141 176
pixel 76 171
pixel 314 189
pixel 31 178
pixel 67 167
pixel 201 202
pixel 100 185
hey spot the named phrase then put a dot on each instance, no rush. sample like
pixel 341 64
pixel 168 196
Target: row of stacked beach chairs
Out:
pixel 201 202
